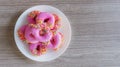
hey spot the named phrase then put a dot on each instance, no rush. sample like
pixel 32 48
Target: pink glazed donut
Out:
pixel 45 17
pixel 30 33
pixel 37 48
pixel 33 35
pixel 21 32
pixel 22 29
pixel 32 16
pixel 55 42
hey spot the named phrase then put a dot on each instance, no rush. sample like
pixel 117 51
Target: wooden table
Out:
pixel 95 33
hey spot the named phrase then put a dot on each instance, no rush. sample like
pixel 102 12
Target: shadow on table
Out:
pixel 11 38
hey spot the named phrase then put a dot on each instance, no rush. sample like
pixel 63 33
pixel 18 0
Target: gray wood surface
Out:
pixel 95 33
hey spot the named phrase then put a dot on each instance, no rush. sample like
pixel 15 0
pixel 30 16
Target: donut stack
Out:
pixel 41 32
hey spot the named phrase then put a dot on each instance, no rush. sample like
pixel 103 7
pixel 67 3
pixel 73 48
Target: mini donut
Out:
pixel 30 33
pixel 32 16
pixel 57 23
pixel 34 35
pixel 55 41
pixel 45 17
pixel 21 32
pixel 57 18
pixel 37 49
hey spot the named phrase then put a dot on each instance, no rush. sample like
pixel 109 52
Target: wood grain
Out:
pixel 95 33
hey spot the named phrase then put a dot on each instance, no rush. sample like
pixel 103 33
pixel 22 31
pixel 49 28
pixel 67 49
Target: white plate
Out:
pixel 50 55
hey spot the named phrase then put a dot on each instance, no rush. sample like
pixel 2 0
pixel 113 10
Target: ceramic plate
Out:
pixel 65 29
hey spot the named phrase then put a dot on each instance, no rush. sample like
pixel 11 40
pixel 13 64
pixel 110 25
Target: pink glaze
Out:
pixel 45 17
pixel 31 20
pixel 22 29
pixel 45 37
pixel 32 16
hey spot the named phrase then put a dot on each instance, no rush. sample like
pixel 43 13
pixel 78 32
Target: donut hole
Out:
pixel 42 32
pixel 35 18
pixel 38 48
pixel 31 35
pixel 46 20
pixel 53 41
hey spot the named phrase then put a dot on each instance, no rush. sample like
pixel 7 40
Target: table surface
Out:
pixel 95 33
